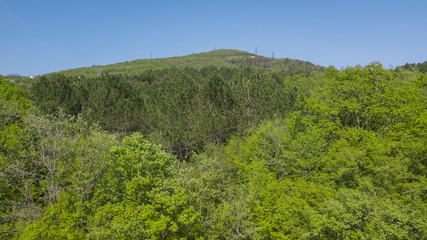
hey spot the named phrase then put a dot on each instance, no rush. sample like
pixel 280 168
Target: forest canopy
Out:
pixel 215 153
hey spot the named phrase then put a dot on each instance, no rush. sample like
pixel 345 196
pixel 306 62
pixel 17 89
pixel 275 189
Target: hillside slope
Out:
pixel 218 58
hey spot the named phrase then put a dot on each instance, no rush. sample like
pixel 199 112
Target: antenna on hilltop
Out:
pixel 256 50
pixel 273 54
pixel 151 56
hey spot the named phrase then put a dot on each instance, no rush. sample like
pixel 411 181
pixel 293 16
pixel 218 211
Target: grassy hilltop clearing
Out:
pixel 218 58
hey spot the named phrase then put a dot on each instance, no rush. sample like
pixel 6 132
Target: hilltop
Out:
pixel 218 58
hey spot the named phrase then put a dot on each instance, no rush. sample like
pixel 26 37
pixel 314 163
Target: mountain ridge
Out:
pixel 218 58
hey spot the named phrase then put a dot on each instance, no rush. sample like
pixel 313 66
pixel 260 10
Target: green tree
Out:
pixel 15 185
pixel 137 199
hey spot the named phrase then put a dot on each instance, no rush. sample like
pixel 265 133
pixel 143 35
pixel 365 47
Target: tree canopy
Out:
pixel 215 153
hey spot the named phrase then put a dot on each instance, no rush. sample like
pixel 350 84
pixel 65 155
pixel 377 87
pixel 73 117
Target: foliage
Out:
pixel 14 106
pixel 137 196
pixel 182 109
pixel 247 154
pixel 420 67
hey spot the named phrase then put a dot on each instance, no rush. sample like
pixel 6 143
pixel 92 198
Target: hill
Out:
pixel 218 58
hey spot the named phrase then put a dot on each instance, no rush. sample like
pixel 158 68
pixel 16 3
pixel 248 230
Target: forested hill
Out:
pixel 215 153
pixel 218 58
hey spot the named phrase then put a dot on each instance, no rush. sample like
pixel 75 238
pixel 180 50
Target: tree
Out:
pixel 16 193
pixel 136 198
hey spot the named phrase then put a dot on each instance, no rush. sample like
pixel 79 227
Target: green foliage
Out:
pixel 14 103
pixel 353 214
pixel 60 221
pixel 69 93
pixel 367 97
pixel 420 67
pixel 206 180
pixel 49 157
pixel 268 155
pixel 182 109
pixel 136 198
pixel 14 106
pixel 321 173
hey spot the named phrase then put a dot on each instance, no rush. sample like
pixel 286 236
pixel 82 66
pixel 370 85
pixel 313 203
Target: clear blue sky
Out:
pixel 44 36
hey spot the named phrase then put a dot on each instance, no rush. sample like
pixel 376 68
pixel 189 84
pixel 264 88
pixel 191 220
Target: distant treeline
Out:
pixel 419 67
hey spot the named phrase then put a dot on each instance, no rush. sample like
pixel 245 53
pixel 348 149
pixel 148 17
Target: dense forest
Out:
pixel 215 152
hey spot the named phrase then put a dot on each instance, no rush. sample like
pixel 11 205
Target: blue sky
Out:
pixel 44 36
